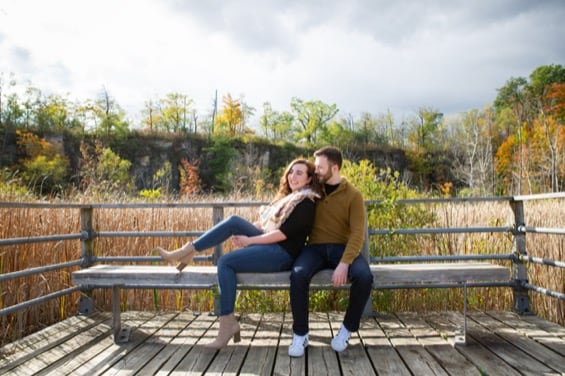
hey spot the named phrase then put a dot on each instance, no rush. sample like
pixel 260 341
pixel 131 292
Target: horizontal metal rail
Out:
pixel 453 230
pixel 395 286
pixel 39 270
pixel 445 200
pixel 46 238
pixel 385 259
pixel 143 258
pixel 117 234
pixel 124 234
pixel 543 261
pixel 39 205
pixel 41 299
pixel 542 230
pixel 539 196
pixel 542 196
pixel 544 291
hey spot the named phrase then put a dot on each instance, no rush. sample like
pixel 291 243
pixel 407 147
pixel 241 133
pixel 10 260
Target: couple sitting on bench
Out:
pixel 315 206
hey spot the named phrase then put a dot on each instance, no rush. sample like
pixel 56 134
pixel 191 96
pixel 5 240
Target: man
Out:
pixel 335 242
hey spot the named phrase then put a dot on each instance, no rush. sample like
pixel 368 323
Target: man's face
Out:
pixel 323 169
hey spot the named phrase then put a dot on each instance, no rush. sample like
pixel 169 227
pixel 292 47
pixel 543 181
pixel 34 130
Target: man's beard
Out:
pixel 324 178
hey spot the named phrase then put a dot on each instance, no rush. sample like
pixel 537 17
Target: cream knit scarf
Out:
pixel 272 216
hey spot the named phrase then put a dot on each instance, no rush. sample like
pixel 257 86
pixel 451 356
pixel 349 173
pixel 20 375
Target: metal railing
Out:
pixel 517 255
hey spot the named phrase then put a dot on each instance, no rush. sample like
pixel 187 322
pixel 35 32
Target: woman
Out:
pixel 269 245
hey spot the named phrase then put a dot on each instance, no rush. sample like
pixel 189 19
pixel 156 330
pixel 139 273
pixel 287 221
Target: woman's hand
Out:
pixel 240 241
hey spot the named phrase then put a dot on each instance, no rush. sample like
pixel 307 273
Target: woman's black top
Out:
pixel 297 227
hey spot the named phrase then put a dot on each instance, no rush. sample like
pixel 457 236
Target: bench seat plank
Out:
pixel 205 276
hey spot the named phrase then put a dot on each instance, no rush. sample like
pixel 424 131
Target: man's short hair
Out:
pixel 331 153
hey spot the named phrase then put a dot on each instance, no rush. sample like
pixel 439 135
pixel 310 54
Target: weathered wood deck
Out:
pixel 498 343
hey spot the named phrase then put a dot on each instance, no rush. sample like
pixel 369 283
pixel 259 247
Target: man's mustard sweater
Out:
pixel 340 218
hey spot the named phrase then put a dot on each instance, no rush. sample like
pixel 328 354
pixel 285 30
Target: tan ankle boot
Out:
pixel 229 327
pixel 184 254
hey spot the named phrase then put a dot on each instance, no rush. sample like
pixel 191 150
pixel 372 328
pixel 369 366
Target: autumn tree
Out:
pixel 276 126
pixel 551 132
pixel 107 117
pixel 425 129
pixel 150 115
pixel 527 102
pixel 472 140
pixel 102 171
pixel 174 113
pixel 190 182
pixel 44 168
pixel 232 118
pixel 311 118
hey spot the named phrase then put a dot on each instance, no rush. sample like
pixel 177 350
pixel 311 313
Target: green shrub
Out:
pixel 386 189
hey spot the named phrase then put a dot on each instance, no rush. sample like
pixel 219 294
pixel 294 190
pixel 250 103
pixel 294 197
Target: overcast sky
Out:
pixel 364 55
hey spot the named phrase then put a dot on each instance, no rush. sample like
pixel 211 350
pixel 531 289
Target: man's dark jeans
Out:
pixel 314 258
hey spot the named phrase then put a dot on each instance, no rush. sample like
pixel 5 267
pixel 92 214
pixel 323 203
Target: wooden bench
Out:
pixel 407 275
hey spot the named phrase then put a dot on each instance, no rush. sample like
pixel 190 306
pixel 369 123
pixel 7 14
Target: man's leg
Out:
pixel 308 263
pixel 361 285
pixel 305 266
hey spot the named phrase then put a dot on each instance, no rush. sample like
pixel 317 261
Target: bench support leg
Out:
pixel 120 335
pixel 86 305
pixel 461 339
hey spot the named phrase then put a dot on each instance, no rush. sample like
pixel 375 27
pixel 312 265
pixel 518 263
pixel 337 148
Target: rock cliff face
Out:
pixel 149 153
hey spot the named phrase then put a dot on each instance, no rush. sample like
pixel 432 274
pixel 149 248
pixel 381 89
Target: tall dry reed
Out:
pixel 25 222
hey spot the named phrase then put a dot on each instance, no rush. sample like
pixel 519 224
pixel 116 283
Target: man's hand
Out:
pixel 340 274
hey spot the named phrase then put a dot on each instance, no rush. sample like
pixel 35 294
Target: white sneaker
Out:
pixel 341 340
pixel 299 343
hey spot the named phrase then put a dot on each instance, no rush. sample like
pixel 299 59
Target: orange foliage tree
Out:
pixel 190 182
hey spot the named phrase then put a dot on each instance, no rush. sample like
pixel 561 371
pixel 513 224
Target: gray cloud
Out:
pixel 363 55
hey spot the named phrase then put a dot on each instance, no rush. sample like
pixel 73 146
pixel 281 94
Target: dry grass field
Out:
pixel 28 222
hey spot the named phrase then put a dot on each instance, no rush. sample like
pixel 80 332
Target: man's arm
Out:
pixel 358 227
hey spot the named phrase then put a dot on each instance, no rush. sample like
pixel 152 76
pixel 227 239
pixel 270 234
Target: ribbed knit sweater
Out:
pixel 340 219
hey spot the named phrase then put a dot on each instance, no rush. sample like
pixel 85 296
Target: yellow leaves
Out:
pixel 34 146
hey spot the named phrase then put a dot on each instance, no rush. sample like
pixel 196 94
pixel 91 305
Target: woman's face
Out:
pixel 297 176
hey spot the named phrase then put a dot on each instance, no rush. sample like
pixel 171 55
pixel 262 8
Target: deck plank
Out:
pixel 112 353
pixel 263 348
pixel 183 344
pixel 450 360
pixel 354 361
pixel 485 360
pixel 530 346
pixel 284 364
pixel 20 351
pixel 414 355
pixel 511 354
pixel 172 338
pixel 550 339
pixel 322 359
pixel 171 343
pixel 194 358
pixel 382 354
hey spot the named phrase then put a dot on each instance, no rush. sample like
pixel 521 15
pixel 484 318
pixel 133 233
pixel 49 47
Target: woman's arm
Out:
pixel 274 236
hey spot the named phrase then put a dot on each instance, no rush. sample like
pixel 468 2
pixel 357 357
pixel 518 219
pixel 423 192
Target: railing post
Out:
pixel 519 272
pixel 368 310
pixel 86 304
pixel 87 230
pixel 217 217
